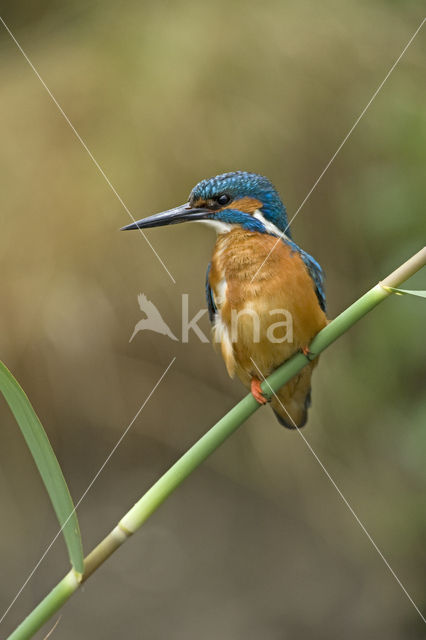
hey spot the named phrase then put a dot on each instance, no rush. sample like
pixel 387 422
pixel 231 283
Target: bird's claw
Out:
pixel 307 353
pixel 256 391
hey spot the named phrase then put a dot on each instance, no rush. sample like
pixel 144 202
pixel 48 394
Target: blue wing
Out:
pixel 317 276
pixel 314 271
pixel 209 295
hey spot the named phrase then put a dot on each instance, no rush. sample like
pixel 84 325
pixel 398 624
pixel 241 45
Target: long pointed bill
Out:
pixel 184 213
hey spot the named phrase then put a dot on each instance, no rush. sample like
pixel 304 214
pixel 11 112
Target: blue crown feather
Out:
pixel 240 184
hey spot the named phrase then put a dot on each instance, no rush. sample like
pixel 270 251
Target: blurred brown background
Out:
pixel 257 543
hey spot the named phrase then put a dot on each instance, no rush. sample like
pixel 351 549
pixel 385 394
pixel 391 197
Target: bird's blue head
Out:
pixel 242 199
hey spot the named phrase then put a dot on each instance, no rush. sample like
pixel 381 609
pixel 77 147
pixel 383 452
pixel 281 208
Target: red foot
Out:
pixel 306 352
pixel 257 392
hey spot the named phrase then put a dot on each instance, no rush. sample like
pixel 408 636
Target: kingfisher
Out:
pixel 256 273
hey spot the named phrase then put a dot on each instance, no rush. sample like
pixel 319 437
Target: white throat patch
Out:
pixel 218 225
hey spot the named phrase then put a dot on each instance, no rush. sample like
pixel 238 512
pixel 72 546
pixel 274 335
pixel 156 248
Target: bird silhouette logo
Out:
pixel 153 320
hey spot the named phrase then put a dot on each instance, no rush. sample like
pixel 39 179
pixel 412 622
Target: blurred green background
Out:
pixel 256 544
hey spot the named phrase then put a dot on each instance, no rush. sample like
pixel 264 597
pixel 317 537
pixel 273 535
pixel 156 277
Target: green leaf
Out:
pixel 47 464
pixel 403 292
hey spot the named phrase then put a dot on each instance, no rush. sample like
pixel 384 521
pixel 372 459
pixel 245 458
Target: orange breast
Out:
pixel 266 320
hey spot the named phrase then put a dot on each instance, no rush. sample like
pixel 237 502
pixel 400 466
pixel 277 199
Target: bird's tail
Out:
pixel 294 400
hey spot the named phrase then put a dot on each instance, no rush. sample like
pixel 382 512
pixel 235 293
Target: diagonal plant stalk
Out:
pixel 154 497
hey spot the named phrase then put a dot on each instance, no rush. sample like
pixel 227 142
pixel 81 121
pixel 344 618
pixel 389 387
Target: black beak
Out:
pixel 184 213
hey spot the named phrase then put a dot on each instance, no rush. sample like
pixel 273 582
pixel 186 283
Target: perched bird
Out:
pixel 256 273
pixel 153 320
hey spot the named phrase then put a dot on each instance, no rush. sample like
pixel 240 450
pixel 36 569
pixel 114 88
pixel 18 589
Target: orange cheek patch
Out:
pixel 246 204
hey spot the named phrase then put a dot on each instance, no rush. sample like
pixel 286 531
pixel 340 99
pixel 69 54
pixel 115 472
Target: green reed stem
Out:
pixel 154 497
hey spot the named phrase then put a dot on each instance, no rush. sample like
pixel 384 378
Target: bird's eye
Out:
pixel 223 199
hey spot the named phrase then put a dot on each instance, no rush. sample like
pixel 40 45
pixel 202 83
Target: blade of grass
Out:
pixel 403 292
pixel 46 462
